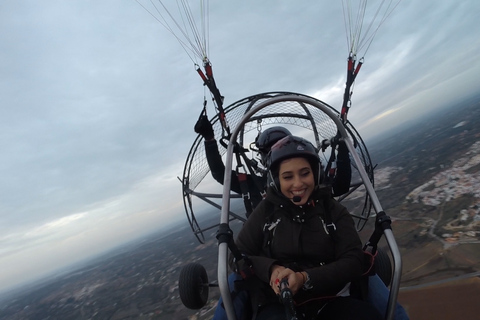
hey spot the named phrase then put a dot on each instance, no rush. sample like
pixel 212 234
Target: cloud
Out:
pixel 66 241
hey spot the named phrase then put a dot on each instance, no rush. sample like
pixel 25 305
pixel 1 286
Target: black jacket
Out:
pixel 300 241
pixel 217 168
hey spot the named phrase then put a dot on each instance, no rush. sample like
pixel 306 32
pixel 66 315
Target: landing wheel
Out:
pixel 383 266
pixel 193 286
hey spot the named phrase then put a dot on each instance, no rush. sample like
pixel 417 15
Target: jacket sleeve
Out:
pixel 347 265
pixel 250 242
pixel 343 176
pixel 217 168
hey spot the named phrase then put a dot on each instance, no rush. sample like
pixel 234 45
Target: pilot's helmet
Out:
pixel 268 138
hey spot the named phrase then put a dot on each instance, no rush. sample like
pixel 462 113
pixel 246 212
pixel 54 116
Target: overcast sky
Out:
pixel 99 100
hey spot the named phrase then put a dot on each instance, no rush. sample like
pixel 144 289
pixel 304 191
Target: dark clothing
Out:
pixel 342 308
pixel 300 241
pixel 347 308
pixel 343 174
pixel 217 169
pixel 280 232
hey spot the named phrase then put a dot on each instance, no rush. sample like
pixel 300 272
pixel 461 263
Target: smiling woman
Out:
pixel 295 168
pixel 296 179
pixel 313 245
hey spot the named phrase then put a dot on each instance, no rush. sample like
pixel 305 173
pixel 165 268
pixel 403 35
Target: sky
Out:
pixel 99 100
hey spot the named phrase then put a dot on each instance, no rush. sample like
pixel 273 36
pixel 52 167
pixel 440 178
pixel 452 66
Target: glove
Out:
pixel 204 128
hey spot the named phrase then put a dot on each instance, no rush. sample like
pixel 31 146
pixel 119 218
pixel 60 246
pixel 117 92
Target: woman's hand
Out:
pixel 295 279
pixel 274 279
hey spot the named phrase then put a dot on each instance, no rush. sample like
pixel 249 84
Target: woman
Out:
pixel 300 234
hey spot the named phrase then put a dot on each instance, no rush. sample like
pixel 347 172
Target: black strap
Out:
pixel 352 71
pixel 267 234
pixel 242 180
pixel 243 263
pixel 242 161
pixel 329 173
pixel 259 183
pixel 332 229
pixel 382 223
pixel 209 81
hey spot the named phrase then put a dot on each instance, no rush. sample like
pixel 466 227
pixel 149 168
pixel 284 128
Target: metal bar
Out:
pixel 223 248
pixel 397 273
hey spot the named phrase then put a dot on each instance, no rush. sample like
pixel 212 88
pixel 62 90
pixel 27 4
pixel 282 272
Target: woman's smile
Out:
pixel 296 179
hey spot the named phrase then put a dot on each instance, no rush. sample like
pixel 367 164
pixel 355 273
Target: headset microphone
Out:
pixel 296 199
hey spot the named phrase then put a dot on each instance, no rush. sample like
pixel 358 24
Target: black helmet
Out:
pixel 292 147
pixel 268 138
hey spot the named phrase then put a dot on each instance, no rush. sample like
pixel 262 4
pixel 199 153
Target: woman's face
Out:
pixel 296 179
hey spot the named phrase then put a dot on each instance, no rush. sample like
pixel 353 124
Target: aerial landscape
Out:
pixel 100 102
pixel 427 179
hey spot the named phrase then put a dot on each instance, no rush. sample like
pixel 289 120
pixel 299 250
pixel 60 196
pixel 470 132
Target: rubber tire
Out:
pixel 193 286
pixel 383 266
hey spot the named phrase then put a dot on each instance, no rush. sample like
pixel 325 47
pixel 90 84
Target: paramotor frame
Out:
pixel 302 117
pixel 329 116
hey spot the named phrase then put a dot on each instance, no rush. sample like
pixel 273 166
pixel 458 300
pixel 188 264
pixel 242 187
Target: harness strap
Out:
pixel 382 222
pixel 332 229
pixel 255 178
pixel 352 72
pixel 242 262
pixel 331 168
pixel 209 81
pixel 242 179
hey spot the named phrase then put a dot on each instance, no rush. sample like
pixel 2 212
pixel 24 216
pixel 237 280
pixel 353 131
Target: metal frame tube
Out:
pixel 223 247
